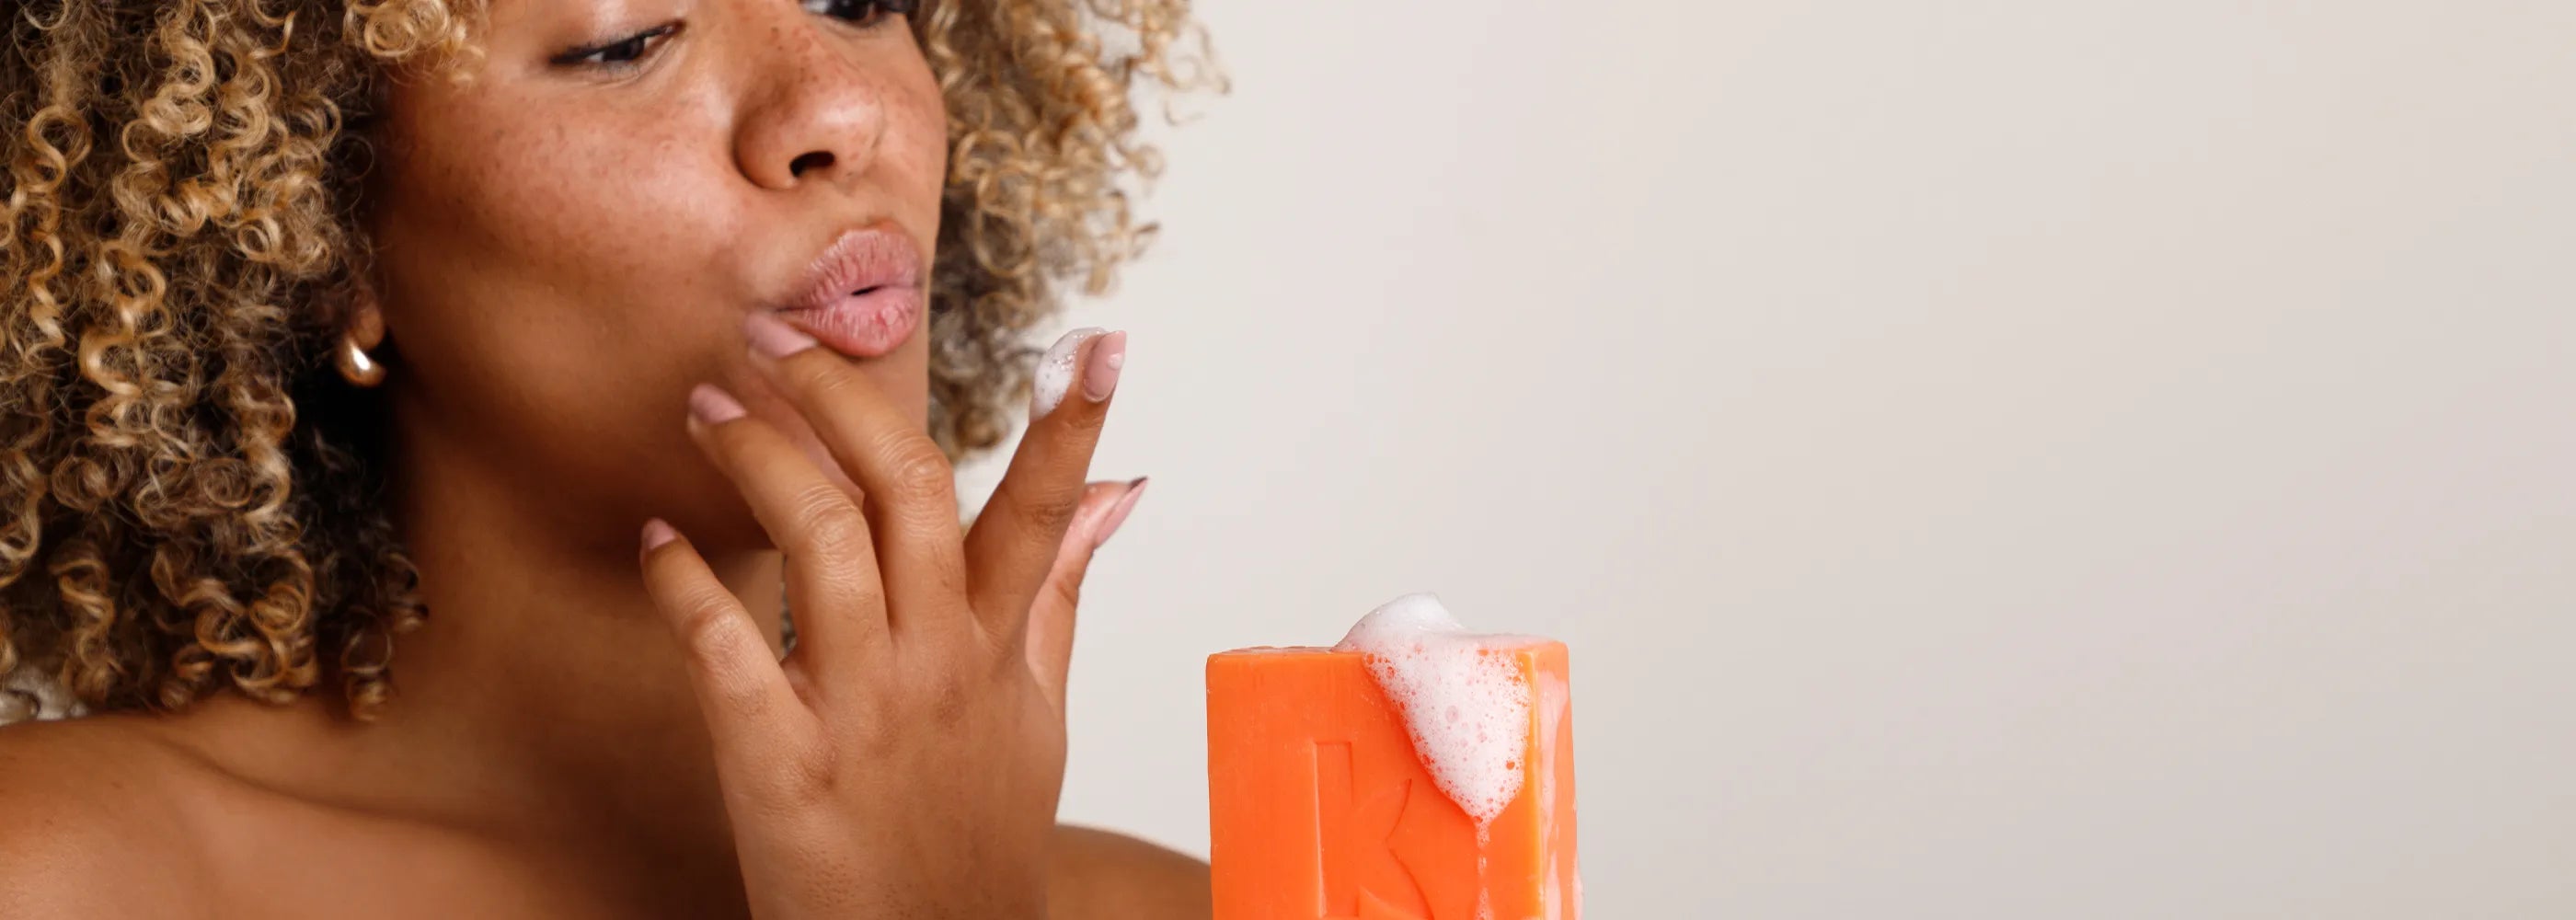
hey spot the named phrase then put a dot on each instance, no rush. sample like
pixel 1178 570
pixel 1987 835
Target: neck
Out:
pixel 544 686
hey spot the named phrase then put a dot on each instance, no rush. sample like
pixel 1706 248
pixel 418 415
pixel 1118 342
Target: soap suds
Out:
pixel 1464 702
pixel 1054 375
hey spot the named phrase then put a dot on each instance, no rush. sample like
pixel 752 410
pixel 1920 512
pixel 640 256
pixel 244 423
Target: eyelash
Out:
pixel 630 51
pixel 872 11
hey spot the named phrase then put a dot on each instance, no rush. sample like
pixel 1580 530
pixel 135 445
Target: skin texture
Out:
pixel 563 255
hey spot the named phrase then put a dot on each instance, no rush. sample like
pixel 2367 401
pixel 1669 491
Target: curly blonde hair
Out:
pixel 190 497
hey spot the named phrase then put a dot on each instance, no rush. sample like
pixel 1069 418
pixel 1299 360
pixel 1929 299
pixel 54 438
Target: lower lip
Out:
pixel 868 325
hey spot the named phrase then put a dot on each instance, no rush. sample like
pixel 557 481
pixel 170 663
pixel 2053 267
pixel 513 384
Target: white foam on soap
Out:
pixel 1054 374
pixel 1464 702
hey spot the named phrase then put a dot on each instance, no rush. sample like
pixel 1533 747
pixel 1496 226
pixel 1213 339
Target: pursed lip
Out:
pixel 862 296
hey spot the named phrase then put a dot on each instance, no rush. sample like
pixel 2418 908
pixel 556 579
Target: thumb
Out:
pixel 1103 506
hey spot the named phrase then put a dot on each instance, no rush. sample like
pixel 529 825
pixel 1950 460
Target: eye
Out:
pixel 622 53
pixel 861 12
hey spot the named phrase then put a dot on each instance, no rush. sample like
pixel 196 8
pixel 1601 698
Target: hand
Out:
pixel 906 758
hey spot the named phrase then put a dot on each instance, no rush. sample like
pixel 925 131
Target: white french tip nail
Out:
pixel 1055 371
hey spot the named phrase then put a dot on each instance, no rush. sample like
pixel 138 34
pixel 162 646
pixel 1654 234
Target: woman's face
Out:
pixel 572 240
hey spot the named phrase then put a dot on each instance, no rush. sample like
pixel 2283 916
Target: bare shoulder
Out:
pixel 89 822
pixel 1098 875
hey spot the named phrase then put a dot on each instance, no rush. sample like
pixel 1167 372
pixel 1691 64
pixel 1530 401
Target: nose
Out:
pixel 817 113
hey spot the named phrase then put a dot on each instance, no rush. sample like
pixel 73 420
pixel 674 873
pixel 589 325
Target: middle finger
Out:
pixel 910 488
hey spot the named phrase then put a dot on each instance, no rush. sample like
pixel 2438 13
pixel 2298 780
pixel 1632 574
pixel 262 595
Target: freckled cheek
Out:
pixel 587 265
pixel 607 210
pixel 917 125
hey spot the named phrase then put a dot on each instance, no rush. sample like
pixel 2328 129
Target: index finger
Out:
pixel 1017 538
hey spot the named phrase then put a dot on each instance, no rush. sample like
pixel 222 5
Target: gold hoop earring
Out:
pixel 356 367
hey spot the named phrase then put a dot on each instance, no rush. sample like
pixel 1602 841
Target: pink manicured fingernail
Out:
pixel 773 337
pixel 1107 357
pixel 1118 512
pixel 658 532
pixel 713 406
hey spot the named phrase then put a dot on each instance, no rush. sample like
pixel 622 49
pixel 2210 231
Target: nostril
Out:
pixel 811 161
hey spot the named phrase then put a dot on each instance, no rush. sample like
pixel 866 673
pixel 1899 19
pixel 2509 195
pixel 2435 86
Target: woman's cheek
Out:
pixel 918 122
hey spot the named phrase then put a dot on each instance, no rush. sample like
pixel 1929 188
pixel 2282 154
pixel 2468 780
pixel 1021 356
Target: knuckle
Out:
pixel 722 646
pixel 1044 516
pixel 838 550
pixel 918 468
pixel 832 524
pixel 706 626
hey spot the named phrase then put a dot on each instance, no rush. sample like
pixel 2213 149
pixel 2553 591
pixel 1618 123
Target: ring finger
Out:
pixel 833 581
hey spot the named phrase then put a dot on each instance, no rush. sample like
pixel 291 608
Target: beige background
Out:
pixel 1990 459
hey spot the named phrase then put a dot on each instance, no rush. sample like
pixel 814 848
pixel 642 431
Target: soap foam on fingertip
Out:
pixel 1054 374
pixel 1465 704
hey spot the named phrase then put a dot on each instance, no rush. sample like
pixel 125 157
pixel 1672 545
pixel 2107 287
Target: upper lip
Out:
pixel 872 255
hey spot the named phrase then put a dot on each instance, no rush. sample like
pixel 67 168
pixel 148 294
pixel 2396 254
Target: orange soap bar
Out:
pixel 1320 808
